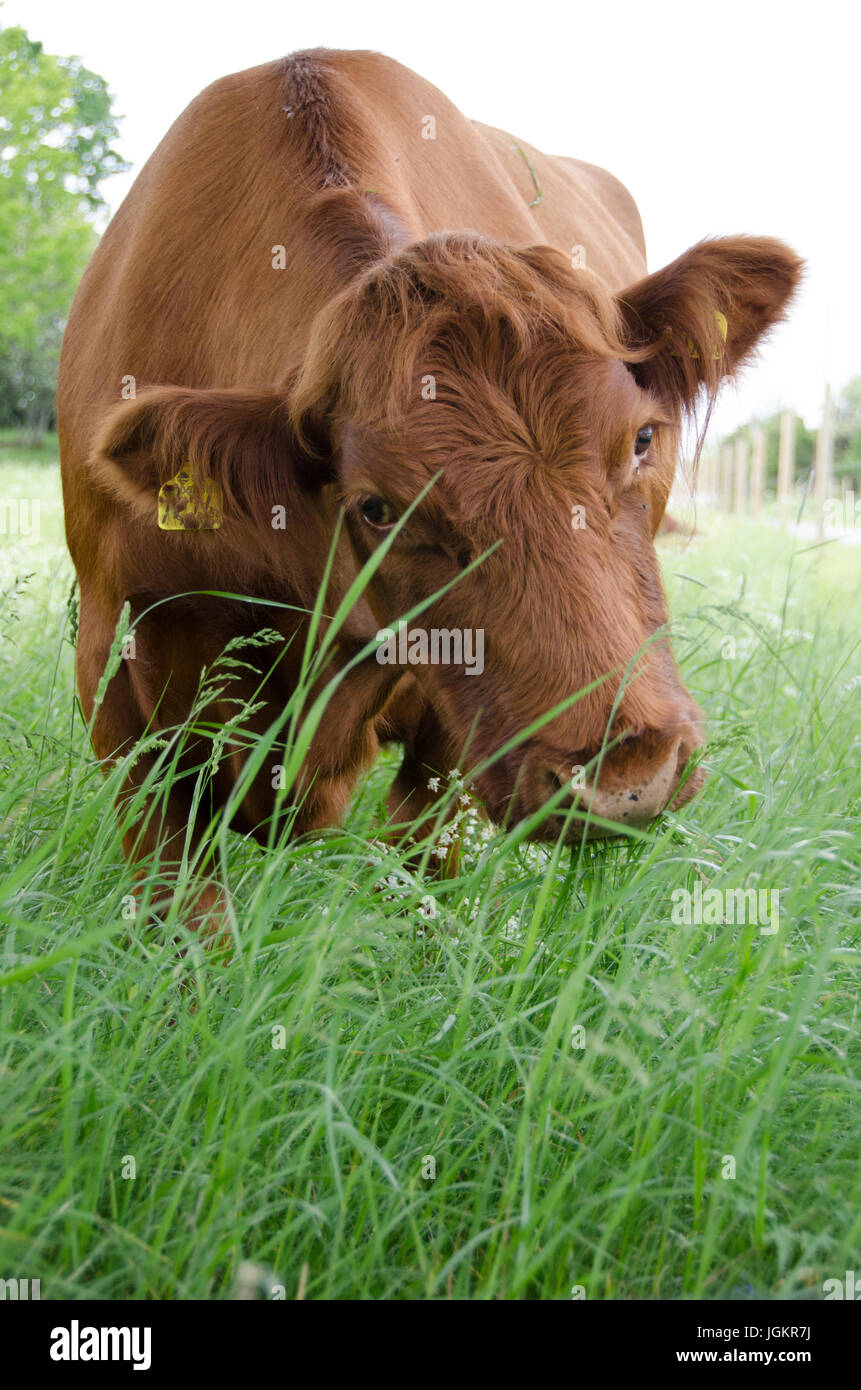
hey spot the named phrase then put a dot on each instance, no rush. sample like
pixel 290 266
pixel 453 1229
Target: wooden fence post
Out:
pixel 822 464
pixel 785 465
pixel 740 469
pixel 725 477
pixel 706 479
pixel 757 472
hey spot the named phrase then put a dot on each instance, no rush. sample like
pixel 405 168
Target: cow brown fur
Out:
pixel 406 259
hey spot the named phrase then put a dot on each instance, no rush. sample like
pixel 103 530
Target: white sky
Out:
pixel 737 116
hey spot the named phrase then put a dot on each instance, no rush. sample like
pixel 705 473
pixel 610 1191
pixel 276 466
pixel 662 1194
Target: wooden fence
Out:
pixel 732 477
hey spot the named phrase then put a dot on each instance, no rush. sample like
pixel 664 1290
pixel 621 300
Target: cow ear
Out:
pixel 701 317
pixel 204 454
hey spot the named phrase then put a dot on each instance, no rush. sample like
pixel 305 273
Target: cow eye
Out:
pixel 643 440
pixel 377 513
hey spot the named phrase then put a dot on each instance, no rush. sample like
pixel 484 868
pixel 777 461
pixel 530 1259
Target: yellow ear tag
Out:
pixel 184 507
pixel 717 354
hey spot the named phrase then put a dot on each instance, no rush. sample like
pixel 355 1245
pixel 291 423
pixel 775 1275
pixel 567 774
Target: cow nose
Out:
pixel 636 781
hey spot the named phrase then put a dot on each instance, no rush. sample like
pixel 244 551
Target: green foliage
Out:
pixel 56 146
pixel 283 1108
pixel 847 430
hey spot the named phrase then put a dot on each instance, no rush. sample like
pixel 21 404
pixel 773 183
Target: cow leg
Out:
pixel 157 689
pixel 162 828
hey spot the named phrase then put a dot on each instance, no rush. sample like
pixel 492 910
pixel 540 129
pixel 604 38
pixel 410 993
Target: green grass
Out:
pixel 18 448
pixel 285 1110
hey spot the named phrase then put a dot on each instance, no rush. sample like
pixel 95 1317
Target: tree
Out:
pixel 847 430
pixel 56 146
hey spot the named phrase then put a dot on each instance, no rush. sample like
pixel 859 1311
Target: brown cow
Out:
pixel 330 289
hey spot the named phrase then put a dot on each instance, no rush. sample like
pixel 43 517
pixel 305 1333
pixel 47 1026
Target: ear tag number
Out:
pixel 182 506
pixel 717 354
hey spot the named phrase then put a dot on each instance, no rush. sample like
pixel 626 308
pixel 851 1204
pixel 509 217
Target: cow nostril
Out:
pixel 686 750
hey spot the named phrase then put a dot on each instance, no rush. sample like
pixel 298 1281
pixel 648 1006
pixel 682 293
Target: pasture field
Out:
pixel 533 1080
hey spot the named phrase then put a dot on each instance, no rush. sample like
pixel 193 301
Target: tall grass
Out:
pixel 517 1082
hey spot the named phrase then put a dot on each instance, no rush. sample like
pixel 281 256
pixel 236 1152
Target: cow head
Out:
pixel 537 418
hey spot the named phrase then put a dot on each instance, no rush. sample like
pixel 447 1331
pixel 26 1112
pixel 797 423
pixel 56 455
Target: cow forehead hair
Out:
pixel 559 409
pixel 501 455
pixel 458 299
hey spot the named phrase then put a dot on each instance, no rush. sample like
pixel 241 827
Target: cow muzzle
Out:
pixel 629 784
